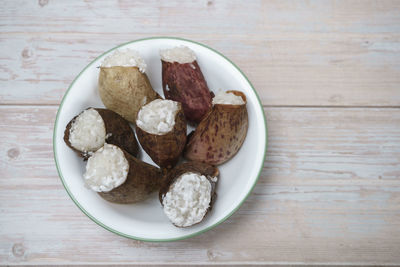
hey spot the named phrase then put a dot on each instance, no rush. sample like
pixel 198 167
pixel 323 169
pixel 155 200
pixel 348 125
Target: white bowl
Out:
pixel 146 220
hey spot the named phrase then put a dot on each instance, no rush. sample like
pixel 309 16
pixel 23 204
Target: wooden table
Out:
pixel 328 74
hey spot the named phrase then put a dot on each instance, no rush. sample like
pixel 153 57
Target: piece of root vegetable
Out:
pixel 202 169
pixel 125 90
pixel 221 133
pixel 185 83
pixel 142 180
pixel 116 131
pixel 165 149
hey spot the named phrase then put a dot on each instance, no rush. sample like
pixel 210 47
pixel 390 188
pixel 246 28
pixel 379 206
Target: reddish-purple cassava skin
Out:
pixel 220 134
pixel 186 84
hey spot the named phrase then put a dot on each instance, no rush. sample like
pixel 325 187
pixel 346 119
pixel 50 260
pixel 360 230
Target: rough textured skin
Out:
pixel 205 169
pixel 186 84
pixel 125 90
pixel 143 179
pixel 220 134
pixel 119 132
pixel 165 149
pixel 117 128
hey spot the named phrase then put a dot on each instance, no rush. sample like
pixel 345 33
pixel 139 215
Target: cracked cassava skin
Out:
pixel 125 90
pixel 142 180
pixel 205 169
pixel 220 134
pixel 165 149
pixel 118 132
pixel 186 84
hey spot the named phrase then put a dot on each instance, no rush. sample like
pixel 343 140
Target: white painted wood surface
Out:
pixel 328 73
pixel 324 52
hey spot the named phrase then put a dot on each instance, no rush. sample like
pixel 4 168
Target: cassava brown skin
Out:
pixel 125 90
pixel 205 169
pixel 186 84
pixel 165 149
pixel 220 134
pixel 82 154
pixel 118 132
pixel 143 179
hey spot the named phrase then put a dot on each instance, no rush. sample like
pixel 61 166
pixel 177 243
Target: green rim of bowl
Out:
pixel 149 239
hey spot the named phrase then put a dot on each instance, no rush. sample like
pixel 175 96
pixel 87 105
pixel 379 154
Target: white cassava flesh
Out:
pixel 188 199
pixel 87 132
pixel 180 54
pixel 125 58
pixel 158 116
pixel 227 99
pixel 106 169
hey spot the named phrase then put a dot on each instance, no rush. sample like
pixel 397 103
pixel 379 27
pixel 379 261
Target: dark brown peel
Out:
pixel 221 133
pixel 165 149
pixel 185 83
pixel 118 132
pixel 81 154
pixel 142 180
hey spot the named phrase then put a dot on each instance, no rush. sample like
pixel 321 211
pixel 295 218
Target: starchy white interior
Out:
pixel 180 54
pixel 188 199
pixel 125 58
pixel 106 169
pixel 227 99
pixel 87 132
pixel 158 116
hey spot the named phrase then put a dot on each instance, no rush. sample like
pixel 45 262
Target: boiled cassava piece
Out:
pixel 123 84
pixel 188 193
pixel 119 177
pixel 89 130
pixel 161 130
pixel 221 133
pixel 184 82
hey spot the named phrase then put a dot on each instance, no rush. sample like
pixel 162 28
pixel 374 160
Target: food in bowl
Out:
pixel 188 193
pixel 219 136
pixel 93 127
pixel 161 130
pixel 119 177
pixel 183 81
pixel 123 84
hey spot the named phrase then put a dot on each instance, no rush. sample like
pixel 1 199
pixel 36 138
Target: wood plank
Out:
pixel 329 193
pixel 330 53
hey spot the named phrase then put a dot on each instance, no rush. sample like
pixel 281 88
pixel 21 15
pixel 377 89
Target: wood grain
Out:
pixel 328 74
pixel 306 53
pixel 329 193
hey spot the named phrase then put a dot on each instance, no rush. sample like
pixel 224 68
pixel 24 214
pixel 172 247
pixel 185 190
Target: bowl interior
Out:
pixel 146 220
